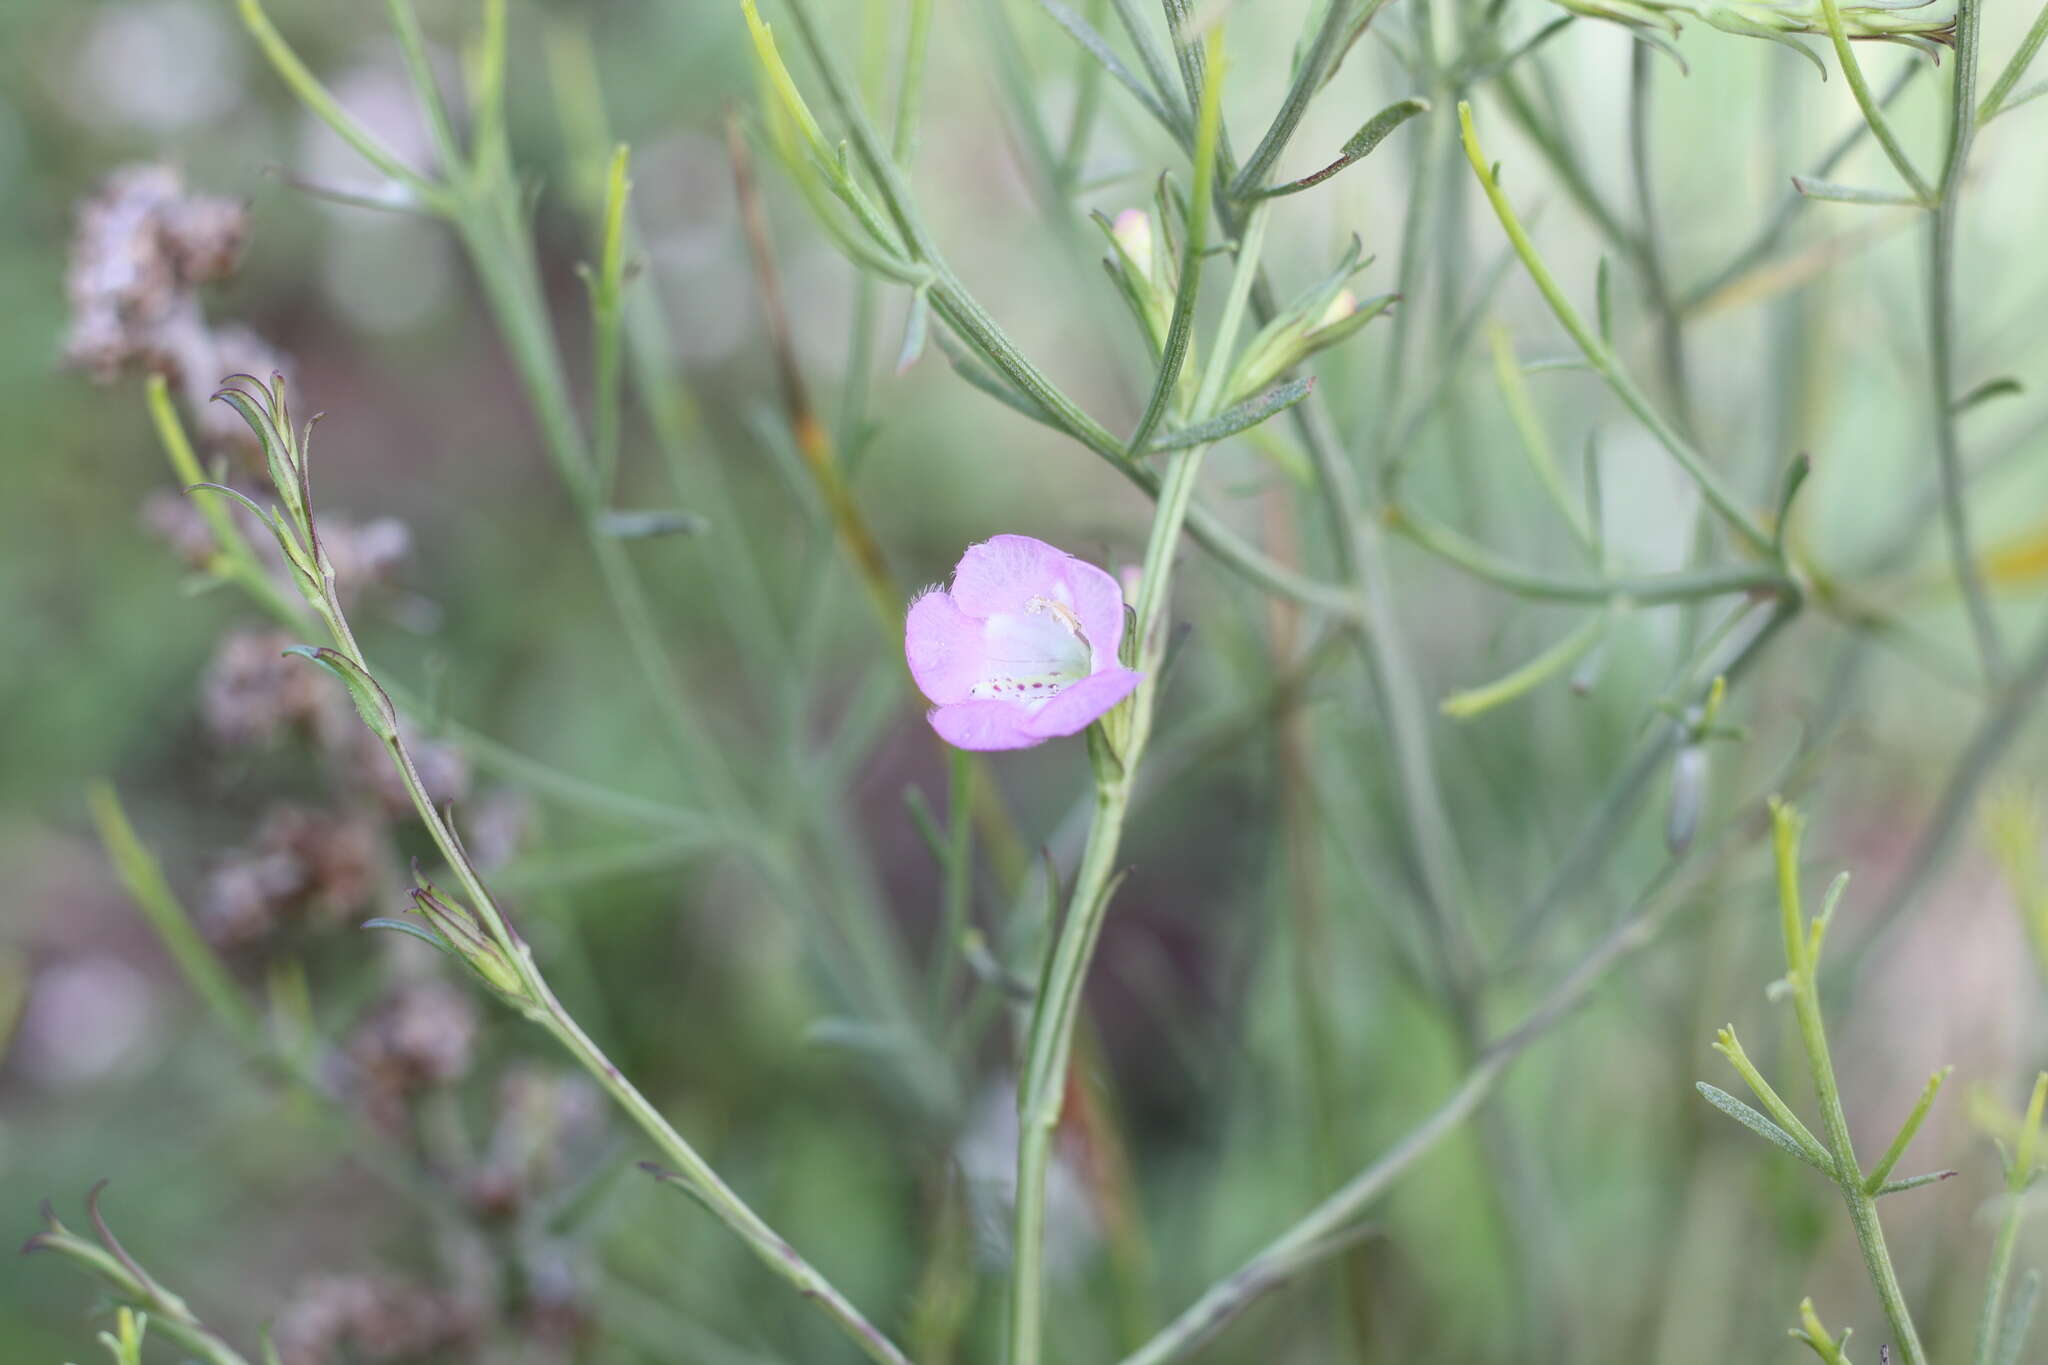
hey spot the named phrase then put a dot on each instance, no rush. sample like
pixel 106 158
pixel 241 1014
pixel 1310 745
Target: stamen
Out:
pixel 1058 610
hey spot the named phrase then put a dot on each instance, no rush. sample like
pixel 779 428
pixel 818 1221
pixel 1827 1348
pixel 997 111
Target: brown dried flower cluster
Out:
pixel 550 1123
pixel 306 869
pixel 143 247
pixel 373 1320
pixel 420 1037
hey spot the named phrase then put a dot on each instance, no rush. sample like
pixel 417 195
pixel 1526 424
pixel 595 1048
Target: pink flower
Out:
pixel 1021 648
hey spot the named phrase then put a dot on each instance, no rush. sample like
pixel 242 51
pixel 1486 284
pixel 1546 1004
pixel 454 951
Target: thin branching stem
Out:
pixel 1041 1090
pixel 1873 109
pixel 1600 355
pixel 1942 341
pixel 1802 959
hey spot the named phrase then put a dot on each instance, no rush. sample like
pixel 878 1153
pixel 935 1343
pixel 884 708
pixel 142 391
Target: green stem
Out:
pixel 2030 46
pixel 1802 949
pixel 1602 358
pixel 1941 330
pixel 1049 1046
pixel 1690 586
pixel 1308 78
pixel 1793 204
pixel 961 311
pixel 1325 1229
pixel 2017 1179
pixel 542 1007
pixel 1873 111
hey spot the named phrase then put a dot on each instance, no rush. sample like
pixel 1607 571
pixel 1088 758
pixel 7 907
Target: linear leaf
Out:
pixel 1758 1124
pixel 371 702
pixel 1098 47
pixel 2002 387
pixel 641 523
pixel 2013 1333
pixel 1851 194
pixel 1231 421
pixel 1359 146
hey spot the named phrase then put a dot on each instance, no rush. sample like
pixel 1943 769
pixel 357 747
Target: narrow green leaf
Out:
pixel 2026 96
pixel 1758 1124
pixel 916 328
pixel 1852 194
pixel 144 879
pixel 1097 47
pixel 1603 301
pixel 993 384
pixel 1911 1182
pixel 1552 661
pixel 1231 421
pixel 423 935
pixel 2013 1334
pixel 1376 128
pixel 2002 387
pixel 642 523
pixel 1359 146
pixel 371 702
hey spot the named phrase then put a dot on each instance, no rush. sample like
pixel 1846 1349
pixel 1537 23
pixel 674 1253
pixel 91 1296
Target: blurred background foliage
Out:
pixel 1260 1030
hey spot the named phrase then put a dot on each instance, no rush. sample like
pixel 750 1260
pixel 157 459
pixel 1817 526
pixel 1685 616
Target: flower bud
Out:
pixel 459 929
pixel 1141 273
pixel 1316 321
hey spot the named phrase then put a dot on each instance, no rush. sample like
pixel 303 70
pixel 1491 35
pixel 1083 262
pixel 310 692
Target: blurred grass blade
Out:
pixel 144 879
pixel 1560 656
pixel 1097 47
pixel 2013 1334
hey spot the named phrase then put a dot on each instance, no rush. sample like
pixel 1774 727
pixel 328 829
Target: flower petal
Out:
pixel 986 725
pixel 1003 574
pixel 1099 601
pixel 1076 707
pixel 945 648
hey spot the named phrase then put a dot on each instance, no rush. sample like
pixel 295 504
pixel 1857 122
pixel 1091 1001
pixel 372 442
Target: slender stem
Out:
pixel 1309 74
pixel 1602 358
pixel 960 310
pixel 705 1184
pixel 1794 203
pixel 1990 744
pixel 317 98
pixel 2022 58
pixel 419 68
pixel 541 1006
pixel 2017 1178
pixel 607 298
pixel 1802 950
pixel 500 251
pixel 1171 97
pixel 1670 329
pixel 1873 111
pixel 1941 330
pixel 1322 1231
pixel 1041 1089
pixel 1688 586
pixel 910 85
pixel 238 562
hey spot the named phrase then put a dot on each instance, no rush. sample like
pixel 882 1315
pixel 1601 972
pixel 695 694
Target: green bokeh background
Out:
pixel 1598 1211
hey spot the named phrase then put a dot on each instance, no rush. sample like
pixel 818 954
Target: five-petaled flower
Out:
pixel 1021 648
